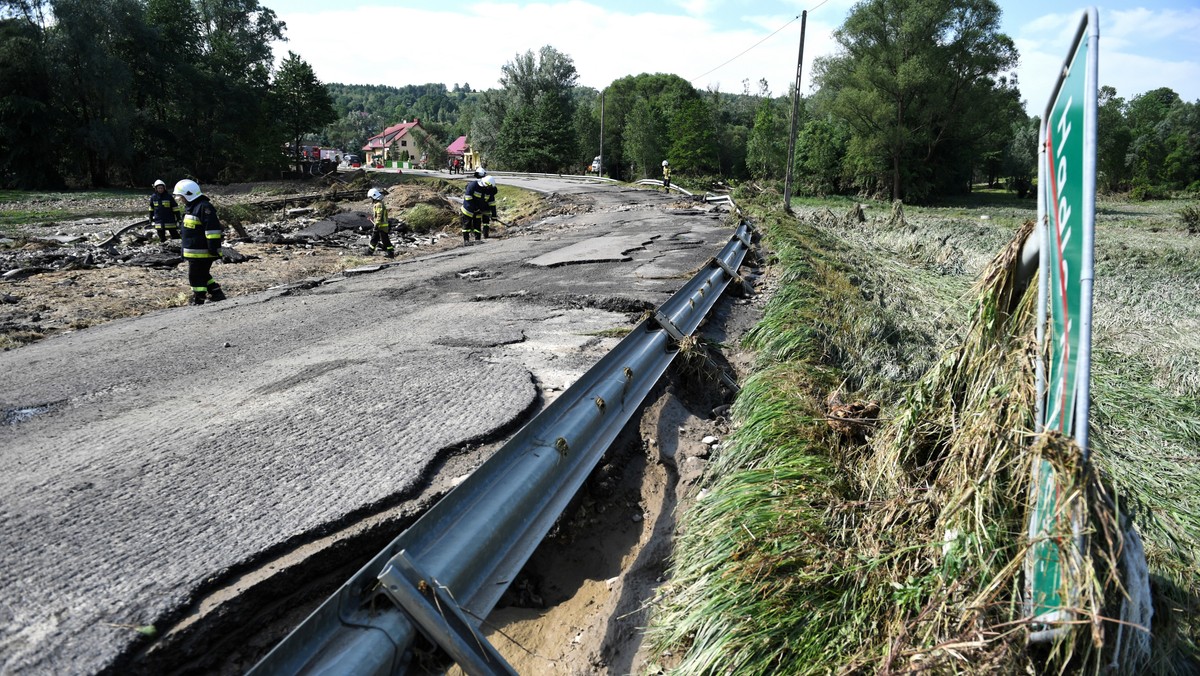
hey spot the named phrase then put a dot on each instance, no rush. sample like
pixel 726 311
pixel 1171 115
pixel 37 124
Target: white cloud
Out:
pixel 1140 50
pixel 469 44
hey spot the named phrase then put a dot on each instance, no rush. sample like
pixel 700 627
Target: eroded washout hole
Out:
pixel 581 603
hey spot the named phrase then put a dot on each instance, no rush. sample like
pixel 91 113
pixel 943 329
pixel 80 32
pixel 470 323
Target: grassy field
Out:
pixel 900 549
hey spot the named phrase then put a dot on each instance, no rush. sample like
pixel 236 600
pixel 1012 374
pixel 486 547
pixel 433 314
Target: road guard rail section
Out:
pixel 446 572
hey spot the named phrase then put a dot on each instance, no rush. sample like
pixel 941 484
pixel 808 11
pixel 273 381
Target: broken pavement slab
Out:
pixel 596 250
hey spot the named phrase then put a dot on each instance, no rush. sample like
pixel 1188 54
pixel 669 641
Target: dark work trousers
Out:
pixel 381 240
pixel 200 276
pixel 471 225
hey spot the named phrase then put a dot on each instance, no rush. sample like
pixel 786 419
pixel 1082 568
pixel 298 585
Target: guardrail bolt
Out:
pixel 628 373
pixel 561 445
pixel 600 403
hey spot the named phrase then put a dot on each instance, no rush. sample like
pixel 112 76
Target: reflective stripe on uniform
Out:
pixel 190 221
pixel 212 234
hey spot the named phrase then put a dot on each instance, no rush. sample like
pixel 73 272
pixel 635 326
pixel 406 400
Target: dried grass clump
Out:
pixel 954 471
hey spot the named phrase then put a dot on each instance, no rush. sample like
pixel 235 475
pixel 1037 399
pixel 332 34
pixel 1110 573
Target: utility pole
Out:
pixel 791 156
pixel 600 170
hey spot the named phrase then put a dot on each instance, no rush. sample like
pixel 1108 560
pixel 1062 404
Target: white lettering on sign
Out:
pixel 1064 127
pixel 1064 209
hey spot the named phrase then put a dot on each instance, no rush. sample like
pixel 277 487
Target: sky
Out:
pixel 712 43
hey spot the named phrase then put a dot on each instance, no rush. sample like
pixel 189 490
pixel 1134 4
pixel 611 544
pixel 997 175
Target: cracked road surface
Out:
pixel 144 461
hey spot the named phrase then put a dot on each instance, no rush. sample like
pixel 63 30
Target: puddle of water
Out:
pixel 13 416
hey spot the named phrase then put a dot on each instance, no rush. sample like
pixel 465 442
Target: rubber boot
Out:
pixel 485 231
pixel 216 295
pixel 197 299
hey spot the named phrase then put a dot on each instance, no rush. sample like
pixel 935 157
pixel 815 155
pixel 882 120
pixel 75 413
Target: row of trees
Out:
pixel 918 103
pixel 120 92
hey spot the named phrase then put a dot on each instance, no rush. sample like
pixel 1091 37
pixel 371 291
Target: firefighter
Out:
pixel 165 215
pixel 474 202
pixel 379 235
pixel 666 177
pixel 489 203
pixel 202 234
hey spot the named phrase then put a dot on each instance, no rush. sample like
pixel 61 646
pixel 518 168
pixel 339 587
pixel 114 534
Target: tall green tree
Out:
pixel 1147 116
pixel 537 128
pixel 1113 137
pixel 911 81
pixel 661 96
pixel 643 137
pixel 820 153
pixel 693 148
pixel 766 149
pixel 301 102
pixel 28 118
pixel 1021 157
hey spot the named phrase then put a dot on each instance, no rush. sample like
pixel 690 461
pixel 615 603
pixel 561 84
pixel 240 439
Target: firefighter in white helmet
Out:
pixel 165 215
pixel 379 234
pixel 666 177
pixel 489 204
pixel 202 235
pixel 474 204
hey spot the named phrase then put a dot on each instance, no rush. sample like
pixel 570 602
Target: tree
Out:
pixel 301 102
pixel 27 114
pixel 820 152
pixel 1021 157
pixel 1113 137
pixel 645 131
pixel 766 149
pixel 911 82
pixel 536 130
pixel 693 146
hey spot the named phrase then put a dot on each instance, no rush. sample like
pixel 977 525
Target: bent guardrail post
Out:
pixel 473 542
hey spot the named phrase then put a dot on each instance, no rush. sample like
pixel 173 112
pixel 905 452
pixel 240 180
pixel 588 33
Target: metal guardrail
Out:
pixel 448 570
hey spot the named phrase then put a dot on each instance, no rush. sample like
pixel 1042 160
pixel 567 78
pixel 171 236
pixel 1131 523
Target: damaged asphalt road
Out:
pixel 148 459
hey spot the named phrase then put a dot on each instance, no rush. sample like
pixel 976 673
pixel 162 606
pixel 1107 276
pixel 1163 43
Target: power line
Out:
pixel 743 52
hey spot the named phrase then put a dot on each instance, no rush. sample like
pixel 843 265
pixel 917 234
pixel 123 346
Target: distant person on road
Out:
pixel 202 235
pixel 165 215
pixel 474 203
pixel 379 235
pixel 666 177
pixel 489 205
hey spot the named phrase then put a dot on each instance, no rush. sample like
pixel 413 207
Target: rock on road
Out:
pixel 142 460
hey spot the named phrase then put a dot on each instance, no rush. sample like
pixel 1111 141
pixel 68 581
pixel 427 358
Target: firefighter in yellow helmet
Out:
pixel 202 235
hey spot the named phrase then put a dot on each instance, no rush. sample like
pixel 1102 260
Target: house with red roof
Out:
pixel 390 144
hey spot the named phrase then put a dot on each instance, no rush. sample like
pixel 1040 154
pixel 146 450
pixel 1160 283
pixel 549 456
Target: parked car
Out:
pixel 353 161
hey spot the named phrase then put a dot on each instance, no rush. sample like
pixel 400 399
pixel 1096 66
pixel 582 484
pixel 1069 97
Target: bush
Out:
pixel 425 218
pixel 1143 191
pixel 1191 218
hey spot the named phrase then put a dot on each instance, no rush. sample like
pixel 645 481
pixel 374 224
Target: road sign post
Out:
pixel 1066 213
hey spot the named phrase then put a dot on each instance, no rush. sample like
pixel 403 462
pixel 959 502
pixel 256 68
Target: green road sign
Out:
pixel 1066 206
